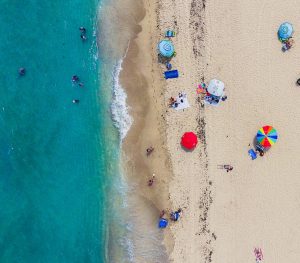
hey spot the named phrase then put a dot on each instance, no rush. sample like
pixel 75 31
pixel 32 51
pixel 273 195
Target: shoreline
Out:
pixel 161 127
pixel 141 79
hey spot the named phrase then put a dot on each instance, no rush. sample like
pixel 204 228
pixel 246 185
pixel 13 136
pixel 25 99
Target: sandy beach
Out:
pixel 225 215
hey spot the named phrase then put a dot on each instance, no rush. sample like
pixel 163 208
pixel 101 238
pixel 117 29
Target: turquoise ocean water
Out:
pixel 57 159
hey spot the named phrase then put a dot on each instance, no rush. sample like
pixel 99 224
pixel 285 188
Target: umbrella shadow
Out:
pixel 255 143
pixel 187 150
pixel 163 60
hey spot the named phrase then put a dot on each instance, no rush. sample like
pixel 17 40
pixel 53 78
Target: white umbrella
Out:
pixel 216 87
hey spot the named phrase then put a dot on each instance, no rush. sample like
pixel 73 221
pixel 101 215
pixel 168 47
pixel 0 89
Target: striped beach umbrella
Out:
pixel 285 31
pixel 267 136
pixel 166 48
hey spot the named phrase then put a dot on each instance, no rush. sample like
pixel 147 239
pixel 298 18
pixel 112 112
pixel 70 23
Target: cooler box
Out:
pixel 171 74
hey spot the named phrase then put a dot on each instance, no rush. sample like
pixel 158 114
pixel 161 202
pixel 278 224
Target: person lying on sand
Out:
pixel 227 167
pixel 174 216
pixel 171 102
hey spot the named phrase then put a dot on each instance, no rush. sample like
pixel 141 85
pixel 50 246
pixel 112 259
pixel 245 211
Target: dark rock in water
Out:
pixel 22 71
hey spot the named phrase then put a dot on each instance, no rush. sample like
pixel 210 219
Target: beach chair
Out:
pixel 252 154
pixel 170 33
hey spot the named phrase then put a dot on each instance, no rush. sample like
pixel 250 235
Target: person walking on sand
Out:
pixel 151 181
pixel 149 150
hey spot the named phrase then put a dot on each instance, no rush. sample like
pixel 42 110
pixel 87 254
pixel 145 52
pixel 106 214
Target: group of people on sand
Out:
pixel 173 216
pixel 287 44
pixel 149 151
pixel 174 103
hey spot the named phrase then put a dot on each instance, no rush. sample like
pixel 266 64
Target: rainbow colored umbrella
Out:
pixel 267 136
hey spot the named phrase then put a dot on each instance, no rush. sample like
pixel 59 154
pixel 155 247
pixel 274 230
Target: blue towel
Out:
pixel 252 154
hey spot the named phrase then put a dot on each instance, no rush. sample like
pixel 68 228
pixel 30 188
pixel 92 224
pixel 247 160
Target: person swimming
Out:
pixel 82 29
pixel 75 78
pixel 75 101
pixel 22 71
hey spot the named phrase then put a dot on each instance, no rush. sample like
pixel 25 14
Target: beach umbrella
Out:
pixel 166 48
pixel 189 140
pixel 162 223
pixel 267 136
pixel 285 31
pixel 216 88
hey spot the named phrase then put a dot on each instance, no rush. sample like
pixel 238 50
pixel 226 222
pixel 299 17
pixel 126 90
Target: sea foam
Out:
pixel 119 108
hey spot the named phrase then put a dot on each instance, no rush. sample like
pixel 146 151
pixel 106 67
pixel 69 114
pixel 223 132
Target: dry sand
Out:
pixel 257 205
pixel 225 215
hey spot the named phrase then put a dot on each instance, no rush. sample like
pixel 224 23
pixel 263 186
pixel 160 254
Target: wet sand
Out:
pixel 141 78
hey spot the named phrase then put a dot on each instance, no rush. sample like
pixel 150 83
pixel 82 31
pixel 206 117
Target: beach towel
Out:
pixel 252 154
pixel 182 102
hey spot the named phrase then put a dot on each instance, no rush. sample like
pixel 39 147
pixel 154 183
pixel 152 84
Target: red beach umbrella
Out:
pixel 189 140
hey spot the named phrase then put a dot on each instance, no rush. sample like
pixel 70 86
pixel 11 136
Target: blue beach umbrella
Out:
pixel 166 48
pixel 285 31
pixel 163 223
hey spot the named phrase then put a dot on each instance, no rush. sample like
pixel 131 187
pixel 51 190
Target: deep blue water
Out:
pixel 55 156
